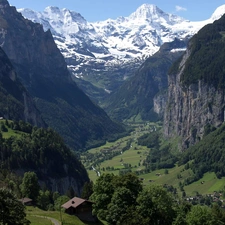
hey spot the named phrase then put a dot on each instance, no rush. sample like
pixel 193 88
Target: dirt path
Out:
pixel 54 221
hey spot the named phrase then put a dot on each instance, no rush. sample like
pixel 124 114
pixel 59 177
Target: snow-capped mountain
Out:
pixel 111 50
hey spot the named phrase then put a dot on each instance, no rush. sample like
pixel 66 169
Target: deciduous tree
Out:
pixel 30 187
pixel 156 205
pixel 12 211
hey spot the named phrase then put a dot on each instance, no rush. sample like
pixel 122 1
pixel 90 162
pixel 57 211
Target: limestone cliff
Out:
pixel 196 87
pixel 16 103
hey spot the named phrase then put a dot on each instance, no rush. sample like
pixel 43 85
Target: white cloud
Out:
pixel 180 8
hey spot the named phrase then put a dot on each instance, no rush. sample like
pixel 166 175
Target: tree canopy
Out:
pixel 30 187
pixel 12 210
pixel 122 200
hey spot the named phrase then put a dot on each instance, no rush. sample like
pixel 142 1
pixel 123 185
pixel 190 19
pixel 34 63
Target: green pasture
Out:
pixel 10 131
pixel 38 220
pixel 206 185
pixel 38 216
pixel 131 156
pixel 92 175
pixel 135 155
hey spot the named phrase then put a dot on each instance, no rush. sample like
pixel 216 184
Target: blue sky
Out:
pixel 95 10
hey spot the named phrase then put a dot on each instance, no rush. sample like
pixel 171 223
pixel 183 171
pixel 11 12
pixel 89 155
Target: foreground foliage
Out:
pixel 123 200
pixel 12 210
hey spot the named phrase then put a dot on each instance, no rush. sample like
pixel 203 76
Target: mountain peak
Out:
pixel 218 13
pixel 63 14
pixel 153 14
pixel 146 11
pixel 54 9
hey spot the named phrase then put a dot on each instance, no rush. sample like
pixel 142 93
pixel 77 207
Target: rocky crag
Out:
pixel 196 87
pixel 16 103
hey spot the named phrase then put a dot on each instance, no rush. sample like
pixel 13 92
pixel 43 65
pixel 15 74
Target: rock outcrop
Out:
pixel 196 87
pixel 16 103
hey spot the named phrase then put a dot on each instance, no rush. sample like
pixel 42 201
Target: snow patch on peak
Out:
pixel 28 13
pixel 218 13
pixel 145 11
pixel 52 9
pixel 63 15
pixel 153 14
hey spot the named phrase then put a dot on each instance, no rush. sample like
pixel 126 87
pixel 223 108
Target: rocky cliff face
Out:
pixel 196 87
pixel 31 50
pixel 16 103
pixel 62 185
pixel 43 71
pixel 160 101
pixel 190 109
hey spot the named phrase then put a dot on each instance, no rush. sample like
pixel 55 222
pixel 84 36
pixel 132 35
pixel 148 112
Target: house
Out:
pixel 81 208
pixel 26 201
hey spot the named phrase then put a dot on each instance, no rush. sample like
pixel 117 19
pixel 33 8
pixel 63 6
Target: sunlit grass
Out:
pixel 38 220
pixel 38 216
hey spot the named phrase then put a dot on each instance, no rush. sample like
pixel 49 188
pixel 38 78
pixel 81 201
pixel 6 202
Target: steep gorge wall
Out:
pixel 189 109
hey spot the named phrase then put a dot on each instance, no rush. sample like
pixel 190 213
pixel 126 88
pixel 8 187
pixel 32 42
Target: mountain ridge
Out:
pixel 139 97
pixel 43 71
pixel 105 53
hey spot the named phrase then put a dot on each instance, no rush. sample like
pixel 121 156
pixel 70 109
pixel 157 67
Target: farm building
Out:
pixel 81 208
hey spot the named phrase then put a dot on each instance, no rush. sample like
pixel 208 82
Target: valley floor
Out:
pixel 126 155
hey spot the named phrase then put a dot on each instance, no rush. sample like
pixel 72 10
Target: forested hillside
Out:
pixel 208 155
pixel 206 60
pixel 26 148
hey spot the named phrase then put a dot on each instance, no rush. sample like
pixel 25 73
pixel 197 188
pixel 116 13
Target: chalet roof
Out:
pixel 74 202
pixel 25 200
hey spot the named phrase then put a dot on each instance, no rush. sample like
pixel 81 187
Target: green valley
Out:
pixel 127 155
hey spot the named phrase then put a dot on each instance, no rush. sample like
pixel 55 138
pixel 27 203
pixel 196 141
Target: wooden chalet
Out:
pixel 26 201
pixel 81 208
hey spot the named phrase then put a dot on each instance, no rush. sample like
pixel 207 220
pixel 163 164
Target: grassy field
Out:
pixel 207 185
pixel 135 155
pixel 10 132
pixel 38 216
pixel 38 220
